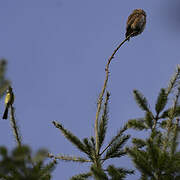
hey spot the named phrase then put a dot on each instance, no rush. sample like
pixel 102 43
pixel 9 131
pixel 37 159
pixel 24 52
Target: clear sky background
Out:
pixel 57 51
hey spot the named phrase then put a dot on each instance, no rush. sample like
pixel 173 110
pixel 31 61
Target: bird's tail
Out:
pixel 127 34
pixel 5 115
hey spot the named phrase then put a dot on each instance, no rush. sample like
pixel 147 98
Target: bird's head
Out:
pixel 139 11
pixel 9 89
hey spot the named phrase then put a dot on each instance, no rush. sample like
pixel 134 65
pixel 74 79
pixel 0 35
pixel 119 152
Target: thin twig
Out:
pixel 175 134
pixel 103 90
pixel 68 158
pixel 15 127
pixel 113 140
pixel 155 122
pixel 106 147
pixel 171 118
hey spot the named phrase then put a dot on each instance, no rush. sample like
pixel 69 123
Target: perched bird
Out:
pixel 136 23
pixel 9 99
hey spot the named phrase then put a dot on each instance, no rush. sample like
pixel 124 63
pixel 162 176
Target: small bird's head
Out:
pixel 139 11
pixel 9 89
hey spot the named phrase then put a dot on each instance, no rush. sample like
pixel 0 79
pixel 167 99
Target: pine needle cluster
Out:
pixel 114 149
pixel 20 165
pixel 157 157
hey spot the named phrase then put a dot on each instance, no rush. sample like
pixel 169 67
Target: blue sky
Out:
pixel 56 52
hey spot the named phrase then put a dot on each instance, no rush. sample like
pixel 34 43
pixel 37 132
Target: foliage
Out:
pixel 114 149
pixel 20 165
pixel 157 157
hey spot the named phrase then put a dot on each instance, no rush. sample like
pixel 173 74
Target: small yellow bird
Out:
pixel 9 100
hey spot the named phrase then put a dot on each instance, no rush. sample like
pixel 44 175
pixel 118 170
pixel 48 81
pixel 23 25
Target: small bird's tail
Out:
pixel 127 34
pixel 5 115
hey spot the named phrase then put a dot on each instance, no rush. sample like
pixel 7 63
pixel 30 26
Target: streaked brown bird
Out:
pixel 136 23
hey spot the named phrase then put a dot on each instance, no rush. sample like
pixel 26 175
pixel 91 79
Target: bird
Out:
pixel 136 23
pixel 9 100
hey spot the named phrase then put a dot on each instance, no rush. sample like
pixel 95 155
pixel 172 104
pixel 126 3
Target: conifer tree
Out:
pixel 92 147
pixel 20 163
pixel 157 157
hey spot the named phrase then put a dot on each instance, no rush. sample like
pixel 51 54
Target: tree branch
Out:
pixel 15 127
pixel 102 92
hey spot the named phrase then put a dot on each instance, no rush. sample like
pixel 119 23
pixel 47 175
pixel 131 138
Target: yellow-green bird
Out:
pixel 9 99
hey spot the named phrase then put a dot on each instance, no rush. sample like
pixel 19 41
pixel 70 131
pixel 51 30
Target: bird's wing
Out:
pixel 139 22
pixel 131 20
pixel 129 23
pixel 7 98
